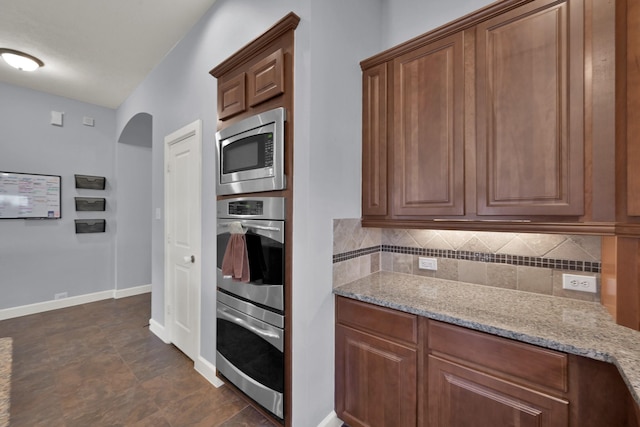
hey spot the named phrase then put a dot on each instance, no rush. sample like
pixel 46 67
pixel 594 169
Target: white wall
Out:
pixel 41 258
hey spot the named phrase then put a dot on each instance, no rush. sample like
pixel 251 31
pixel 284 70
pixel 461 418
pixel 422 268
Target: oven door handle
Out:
pixel 270 336
pixel 255 227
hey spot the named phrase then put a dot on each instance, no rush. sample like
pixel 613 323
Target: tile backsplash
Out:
pixel 523 261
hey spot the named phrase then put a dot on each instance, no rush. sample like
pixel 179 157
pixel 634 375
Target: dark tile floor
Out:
pixel 99 365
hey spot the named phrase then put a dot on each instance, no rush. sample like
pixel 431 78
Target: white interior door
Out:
pixel 183 237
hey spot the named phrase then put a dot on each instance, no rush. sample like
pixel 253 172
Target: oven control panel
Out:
pixel 246 207
pixel 268 208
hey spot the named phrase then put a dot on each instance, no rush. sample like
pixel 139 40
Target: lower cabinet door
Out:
pixel 460 397
pixel 376 380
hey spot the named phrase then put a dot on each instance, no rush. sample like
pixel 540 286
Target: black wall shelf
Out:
pixel 90 226
pixel 91 182
pixel 90 203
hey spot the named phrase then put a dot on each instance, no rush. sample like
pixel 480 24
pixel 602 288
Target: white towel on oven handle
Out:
pixel 236 228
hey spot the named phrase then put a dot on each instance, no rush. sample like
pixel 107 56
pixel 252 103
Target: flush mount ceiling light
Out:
pixel 20 60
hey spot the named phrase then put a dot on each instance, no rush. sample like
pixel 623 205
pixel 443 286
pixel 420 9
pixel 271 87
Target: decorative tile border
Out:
pixel 518 260
pixel 355 254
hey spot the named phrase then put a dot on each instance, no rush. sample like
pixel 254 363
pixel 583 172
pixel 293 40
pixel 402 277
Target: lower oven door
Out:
pixel 250 351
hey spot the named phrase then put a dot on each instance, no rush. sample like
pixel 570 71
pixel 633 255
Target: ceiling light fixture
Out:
pixel 20 60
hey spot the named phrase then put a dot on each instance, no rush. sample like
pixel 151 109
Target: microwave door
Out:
pixel 247 157
pixel 251 154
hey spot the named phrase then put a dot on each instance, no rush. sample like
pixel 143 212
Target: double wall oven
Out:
pixel 250 314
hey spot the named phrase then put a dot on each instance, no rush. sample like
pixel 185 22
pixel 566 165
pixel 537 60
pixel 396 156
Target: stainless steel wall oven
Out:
pixel 250 315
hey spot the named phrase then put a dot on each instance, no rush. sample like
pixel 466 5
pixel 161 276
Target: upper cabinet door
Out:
pixel 231 96
pixel 530 111
pixel 374 141
pixel 428 130
pixel 266 78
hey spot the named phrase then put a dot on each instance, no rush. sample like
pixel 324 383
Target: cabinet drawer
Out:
pixel 509 359
pixel 462 396
pixel 383 322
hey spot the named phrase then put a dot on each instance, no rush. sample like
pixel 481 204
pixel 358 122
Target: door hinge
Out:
pixel 168 167
pixel 168 309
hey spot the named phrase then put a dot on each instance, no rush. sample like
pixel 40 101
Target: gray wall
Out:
pixel 406 19
pixel 180 90
pixel 41 258
pixel 328 103
pixel 134 213
pixel 331 39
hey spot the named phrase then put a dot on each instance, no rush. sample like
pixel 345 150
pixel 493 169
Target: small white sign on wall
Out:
pixel 56 118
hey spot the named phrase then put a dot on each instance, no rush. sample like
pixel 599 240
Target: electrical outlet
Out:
pixel 576 282
pixel 427 263
pixel 60 295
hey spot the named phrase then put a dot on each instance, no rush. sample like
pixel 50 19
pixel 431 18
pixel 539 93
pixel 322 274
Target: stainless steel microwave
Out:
pixel 251 154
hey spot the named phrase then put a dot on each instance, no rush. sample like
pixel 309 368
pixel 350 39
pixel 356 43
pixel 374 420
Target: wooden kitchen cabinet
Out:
pixel 483 380
pixel 549 126
pixel 428 130
pixel 262 81
pixel 487 123
pixel 530 110
pixel 231 96
pixel 460 396
pixel 266 78
pixel 413 141
pixel 379 380
pixel 463 396
pixel 376 365
pixel 374 136
pixel 259 77
pixel 399 369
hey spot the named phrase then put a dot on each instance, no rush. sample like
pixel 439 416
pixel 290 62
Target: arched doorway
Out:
pixel 133 205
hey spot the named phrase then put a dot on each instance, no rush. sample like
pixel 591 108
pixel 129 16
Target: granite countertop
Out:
pixel 571 326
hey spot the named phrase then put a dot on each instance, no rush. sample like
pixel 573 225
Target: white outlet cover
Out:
pixel 60 295
pixel 576 282
pixel 427 263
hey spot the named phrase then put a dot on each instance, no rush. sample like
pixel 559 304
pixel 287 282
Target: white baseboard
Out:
pixel 159 331
pixel 201 365
pixel 129 292
pixel 207 370
pixel 41 307
pixel 331 420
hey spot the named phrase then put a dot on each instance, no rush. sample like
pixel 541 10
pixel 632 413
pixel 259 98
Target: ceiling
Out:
pixel 95 51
